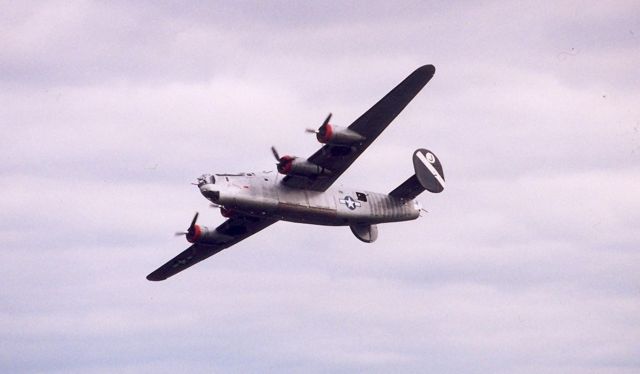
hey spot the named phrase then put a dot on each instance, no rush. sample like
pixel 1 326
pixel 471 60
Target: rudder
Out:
pixel 428 176
pixel 428 170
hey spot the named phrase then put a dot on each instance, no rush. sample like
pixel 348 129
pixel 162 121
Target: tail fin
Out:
pixel 429 176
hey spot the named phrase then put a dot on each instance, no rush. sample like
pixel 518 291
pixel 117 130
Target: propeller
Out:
pixel 275 153
pixel 192 227
pixel 326 121
pixel 284 163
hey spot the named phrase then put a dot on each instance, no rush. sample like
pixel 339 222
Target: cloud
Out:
pixel 526 263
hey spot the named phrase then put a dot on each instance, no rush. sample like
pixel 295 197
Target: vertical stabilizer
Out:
pixel 429 176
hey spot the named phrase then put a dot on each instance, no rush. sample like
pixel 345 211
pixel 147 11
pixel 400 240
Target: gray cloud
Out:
pixel 527 263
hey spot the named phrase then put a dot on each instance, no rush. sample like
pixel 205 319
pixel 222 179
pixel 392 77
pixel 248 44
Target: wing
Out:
pixel 338 158
pixel 229 233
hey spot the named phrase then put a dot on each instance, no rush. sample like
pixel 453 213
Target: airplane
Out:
pixel 301 190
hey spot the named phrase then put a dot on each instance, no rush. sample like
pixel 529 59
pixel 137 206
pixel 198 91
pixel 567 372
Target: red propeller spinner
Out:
pixel 284 163
pixel 194 232
pixel 325 132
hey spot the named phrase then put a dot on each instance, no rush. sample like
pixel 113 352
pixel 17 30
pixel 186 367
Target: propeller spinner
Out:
pixel 324 132
pixel 284 163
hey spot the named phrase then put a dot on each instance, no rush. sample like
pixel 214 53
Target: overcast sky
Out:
pixel 529 261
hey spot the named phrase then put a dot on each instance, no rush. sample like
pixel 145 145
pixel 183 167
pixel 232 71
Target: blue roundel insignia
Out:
pixel 350 203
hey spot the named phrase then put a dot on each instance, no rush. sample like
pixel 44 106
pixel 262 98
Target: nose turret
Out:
pixel 205 179
pixel 210 191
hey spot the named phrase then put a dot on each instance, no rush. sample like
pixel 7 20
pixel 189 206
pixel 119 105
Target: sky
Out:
pixel 529 261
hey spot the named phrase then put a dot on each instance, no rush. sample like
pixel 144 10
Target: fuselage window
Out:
pixel 361 196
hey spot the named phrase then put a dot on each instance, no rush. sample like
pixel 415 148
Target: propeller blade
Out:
pixel 191 228
pixel 275 153
pixel 314 131
pixel 193 222
pixel 327 120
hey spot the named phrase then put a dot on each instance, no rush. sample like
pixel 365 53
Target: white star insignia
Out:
pixel 350 203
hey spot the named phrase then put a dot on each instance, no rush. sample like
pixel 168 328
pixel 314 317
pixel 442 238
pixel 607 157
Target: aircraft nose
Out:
pixel 209 191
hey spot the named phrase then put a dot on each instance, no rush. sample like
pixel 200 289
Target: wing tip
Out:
pixel 155 277
pixel 428 70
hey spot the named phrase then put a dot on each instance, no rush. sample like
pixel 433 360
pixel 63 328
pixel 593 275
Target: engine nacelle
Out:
pixel 202 235
pixel 300 166
pixel 328 133
pixel 291 165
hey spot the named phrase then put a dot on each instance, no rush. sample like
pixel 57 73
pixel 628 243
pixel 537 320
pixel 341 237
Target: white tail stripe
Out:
pixel 431 169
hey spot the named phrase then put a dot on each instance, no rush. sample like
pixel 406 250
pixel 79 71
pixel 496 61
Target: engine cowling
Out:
pixel 201 235
pixel 290 165
pixel 328 133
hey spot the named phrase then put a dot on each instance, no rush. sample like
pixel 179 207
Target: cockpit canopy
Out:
pixel 206 179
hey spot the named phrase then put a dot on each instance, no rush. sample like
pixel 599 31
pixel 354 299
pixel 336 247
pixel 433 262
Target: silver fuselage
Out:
pixel 262 195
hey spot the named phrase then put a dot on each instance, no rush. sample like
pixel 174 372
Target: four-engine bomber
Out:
pixel 301 190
